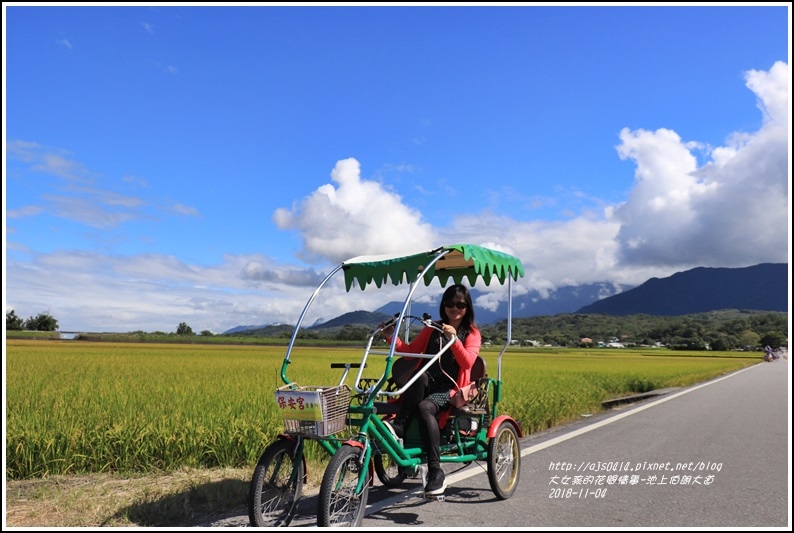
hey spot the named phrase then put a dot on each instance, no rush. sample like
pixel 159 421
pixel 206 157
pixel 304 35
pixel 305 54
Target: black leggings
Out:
pixel 413 402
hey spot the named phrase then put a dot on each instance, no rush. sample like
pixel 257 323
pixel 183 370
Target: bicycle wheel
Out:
pixel 276 485
pixel 338 504
pixel 504 461
pixel 389 473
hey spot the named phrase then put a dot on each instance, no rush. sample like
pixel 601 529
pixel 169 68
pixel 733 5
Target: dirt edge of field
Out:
pixel 189 497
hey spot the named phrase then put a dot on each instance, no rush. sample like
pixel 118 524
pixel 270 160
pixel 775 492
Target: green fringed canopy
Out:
pixel 459 261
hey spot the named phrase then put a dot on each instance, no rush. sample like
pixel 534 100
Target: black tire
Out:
pixel 389 473
pixel 276 486
pixel 338 504
pixel 504 461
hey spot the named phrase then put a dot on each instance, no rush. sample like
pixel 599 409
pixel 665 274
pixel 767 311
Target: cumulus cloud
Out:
pixel 730 212
pixel 355 217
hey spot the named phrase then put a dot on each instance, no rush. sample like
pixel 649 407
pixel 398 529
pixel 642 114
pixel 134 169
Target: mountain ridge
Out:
pixel 762 287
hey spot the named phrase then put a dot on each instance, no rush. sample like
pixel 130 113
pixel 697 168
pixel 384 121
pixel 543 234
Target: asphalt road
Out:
pixel 712 455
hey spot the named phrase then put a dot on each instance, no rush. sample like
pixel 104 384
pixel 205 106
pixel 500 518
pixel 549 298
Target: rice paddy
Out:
pixel 90 407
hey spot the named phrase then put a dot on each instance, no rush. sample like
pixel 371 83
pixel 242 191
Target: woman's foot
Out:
pixel 436 482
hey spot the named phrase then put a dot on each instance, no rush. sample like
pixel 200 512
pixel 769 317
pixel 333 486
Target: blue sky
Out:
pixel 210 164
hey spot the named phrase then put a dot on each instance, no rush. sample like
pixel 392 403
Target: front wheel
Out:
pixel 338 503
pixel 504 461
pixel 276 485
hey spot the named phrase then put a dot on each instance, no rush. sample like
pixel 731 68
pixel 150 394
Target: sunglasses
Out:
pixel 459 305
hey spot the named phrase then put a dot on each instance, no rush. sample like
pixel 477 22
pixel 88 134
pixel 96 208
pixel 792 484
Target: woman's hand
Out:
pixel 448 330
pixel 386 333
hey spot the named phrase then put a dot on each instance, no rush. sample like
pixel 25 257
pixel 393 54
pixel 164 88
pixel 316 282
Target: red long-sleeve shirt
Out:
pixel 465 353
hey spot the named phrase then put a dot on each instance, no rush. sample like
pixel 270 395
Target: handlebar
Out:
pixel 426 319
pixel 389 323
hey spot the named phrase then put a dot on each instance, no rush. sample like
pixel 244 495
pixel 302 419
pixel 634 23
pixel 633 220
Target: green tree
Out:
pixel 184 329
pixel 721 344
pixel 13 322
pixel 773 339
pixel 750 339
pixel 352 333
pixel 41 322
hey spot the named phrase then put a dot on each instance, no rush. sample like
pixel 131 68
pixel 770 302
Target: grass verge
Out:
pixel 189 497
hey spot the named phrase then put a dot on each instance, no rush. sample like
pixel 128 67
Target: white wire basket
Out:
pixel 313 411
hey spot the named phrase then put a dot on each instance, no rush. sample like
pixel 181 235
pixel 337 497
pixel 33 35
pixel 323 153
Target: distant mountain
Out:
pixel 354 318
pixel 272 330
pixel 761 287
pixel 563 300
pixel 238 329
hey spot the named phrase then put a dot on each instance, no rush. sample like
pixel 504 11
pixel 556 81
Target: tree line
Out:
pixel 41 322
pixel 716 330
pixel 46 322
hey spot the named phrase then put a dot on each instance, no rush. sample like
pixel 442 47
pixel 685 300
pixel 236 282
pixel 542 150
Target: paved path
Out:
pixel 733 430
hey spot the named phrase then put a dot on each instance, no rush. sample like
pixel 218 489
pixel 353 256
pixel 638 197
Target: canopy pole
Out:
pixel 305 310
pixel 509 326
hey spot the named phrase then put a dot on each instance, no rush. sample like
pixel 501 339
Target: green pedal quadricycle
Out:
pixel 477 431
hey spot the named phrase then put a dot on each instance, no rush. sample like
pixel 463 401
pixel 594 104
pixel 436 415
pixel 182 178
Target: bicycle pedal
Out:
pixel 434 497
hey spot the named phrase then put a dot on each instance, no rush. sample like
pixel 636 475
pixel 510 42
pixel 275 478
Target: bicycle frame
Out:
pixel 373 437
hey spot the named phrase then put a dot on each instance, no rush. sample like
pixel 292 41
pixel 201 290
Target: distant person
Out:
pixel 768 355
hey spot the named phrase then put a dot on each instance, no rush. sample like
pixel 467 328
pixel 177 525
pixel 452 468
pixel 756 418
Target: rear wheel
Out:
pixel 504 461
pixel 338 503
pixel 389 473
pixel 276 485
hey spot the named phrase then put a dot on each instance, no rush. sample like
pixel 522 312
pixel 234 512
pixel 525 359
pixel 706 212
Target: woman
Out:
pixel 428 398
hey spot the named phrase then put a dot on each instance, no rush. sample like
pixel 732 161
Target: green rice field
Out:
pixel 88 407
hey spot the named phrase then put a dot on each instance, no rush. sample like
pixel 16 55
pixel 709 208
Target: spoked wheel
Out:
pixel 276 485
pixel 338 503
pixel 504 461
pixel 389 473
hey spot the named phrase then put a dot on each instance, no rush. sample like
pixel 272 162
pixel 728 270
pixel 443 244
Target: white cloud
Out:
pixel 773 89
pixel 357 217
pixel 185 210
pixel 153 292
pixel 95 292
pixel 85 211
pixel 730 212
pixel 48 161
pixel 25 211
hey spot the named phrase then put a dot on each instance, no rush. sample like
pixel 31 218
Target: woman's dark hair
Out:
pixel 449 295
